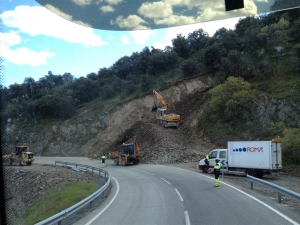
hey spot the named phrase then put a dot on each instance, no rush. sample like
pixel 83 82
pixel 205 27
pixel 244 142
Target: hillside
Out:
pixel 60 115
pixel 105 127
pixel 158 144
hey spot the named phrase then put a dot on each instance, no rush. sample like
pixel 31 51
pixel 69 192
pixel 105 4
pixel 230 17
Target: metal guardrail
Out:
pixel 280 190
pixel 57 218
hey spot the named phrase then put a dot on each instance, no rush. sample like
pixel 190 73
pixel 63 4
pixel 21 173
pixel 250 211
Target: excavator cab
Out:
pixel 160 113
pixel 20 149
pixel 127 149
pixel 129 153
pixel 154 108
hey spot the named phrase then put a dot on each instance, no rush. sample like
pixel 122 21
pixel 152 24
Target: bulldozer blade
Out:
pixel 154 109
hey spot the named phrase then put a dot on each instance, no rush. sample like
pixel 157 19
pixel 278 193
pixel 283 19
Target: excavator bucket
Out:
pixel 154 109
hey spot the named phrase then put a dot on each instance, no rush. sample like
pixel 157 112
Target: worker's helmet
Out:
pixel 217 160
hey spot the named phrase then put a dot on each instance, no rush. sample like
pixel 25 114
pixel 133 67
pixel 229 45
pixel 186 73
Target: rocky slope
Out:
pixel 92 133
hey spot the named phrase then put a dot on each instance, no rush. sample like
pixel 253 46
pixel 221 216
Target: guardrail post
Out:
pixel 59 222
pixel 279 197
pixel 251 184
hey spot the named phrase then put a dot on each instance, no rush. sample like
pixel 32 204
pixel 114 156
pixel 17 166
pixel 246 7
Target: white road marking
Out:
pixel 187 218
pixel 250 196
pixel 105 208
pixel 147 173
pixel 165 181
pixel 179 195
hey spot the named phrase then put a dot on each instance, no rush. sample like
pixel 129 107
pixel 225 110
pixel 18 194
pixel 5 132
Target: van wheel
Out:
pixel 28 163
pixel 250 173
pixel 204 169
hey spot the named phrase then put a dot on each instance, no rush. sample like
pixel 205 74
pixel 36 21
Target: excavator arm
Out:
pixel 156 97
pixel 136 147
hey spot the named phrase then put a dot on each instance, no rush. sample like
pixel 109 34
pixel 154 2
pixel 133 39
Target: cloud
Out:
pixel 113 2
pixel 10 39
pixel 140 37
pixel 125 39
pixel 40 21
pixel 111 37
pixel 174 20
pixel 209 27
pixel 25 56
pixel 155 10
pixel 86 2
pixel 82 2
pixel 132 22
pixel 172 13
pixel 215 11
pixel 3 64
pixel 107 8
pixel 21 55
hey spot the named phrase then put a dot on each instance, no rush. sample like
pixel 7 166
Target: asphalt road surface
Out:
pixel 147 194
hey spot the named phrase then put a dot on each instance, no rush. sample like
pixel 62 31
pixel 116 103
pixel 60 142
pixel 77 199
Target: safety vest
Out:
pixel 217 167
pixel 103 157
pixel 207 157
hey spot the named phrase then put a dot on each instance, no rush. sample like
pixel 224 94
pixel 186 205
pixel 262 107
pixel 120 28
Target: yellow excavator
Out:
pixel 128 154
pixel 162 118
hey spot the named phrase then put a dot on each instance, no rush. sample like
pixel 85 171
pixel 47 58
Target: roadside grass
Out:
pixel 56 200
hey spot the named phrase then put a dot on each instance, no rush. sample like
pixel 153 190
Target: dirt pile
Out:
pixel 168 145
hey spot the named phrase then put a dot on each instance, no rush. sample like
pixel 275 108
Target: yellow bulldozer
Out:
pixel 128 154
pixel 20 156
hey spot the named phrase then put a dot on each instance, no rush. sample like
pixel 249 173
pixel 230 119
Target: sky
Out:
pixel 34 41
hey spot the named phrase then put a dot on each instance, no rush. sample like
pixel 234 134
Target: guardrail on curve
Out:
pixel 280 190
pixel 57 218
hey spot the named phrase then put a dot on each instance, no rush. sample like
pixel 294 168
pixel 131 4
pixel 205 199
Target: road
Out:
pixel 161 194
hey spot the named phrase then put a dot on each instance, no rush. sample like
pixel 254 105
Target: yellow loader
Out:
pixel 21 156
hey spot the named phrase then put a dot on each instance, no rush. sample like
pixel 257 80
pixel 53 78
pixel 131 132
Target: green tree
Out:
pixel 130 87
pixel 85 89
pixel 213 55
pixel 276 128
pixel 181 46
pixel 189 67
pixel 197 40
pixel 236 64
pixel 232 99
pixel 145 85
pixel 275 35
pixel 291 145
